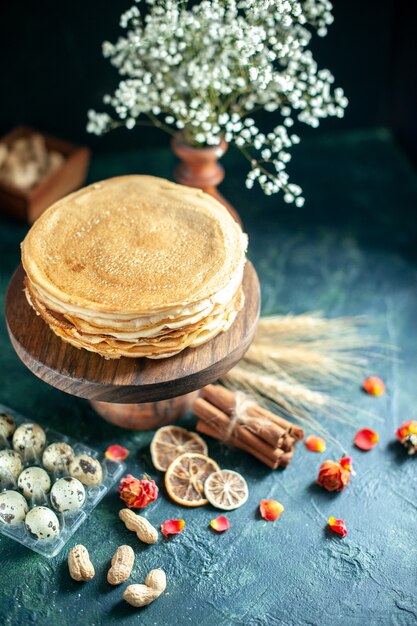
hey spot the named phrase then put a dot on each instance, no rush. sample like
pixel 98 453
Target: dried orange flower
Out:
pixel 172 527
pixel 335 475
pixel 338 526
pixel 116 453
pixel 374 386
pixel 315 444
pixel 366 439
pixel 407 434
pixel 137 494
pixel 270 510
pixel 220 524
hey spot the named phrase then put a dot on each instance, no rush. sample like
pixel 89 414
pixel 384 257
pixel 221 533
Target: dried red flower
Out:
pixel 366 439
pixel 338 526
pixel 407 428
pixel 220 524
pixel 407 434
pixel 315 444
pixel 335 475
pixel 374 386
pixel 270 510
pixel 137 493
pixel 172 527
pixel 116 453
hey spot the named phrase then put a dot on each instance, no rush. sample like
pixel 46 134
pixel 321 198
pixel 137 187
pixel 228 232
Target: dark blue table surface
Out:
pixel 351 250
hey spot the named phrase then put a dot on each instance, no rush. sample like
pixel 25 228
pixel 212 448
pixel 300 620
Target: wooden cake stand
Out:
pixel 133 393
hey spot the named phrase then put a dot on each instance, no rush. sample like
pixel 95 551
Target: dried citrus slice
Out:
pixel 185 478
pixel 226 490
pixel 169 442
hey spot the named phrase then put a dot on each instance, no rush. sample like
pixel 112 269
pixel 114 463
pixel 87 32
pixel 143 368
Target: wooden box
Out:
pixel 28 205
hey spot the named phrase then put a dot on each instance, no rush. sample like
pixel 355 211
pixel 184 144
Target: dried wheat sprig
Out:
pixel 306 365
pixel 292 360
pixel 236 379
pixel 294 399
pixel 308 325
pixel 312 349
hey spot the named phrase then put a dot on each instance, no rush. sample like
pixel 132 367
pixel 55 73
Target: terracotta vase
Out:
pixel 199 168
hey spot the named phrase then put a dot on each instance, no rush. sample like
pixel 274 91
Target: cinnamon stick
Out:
pixel 281 462
pixel 216 419
pixel 203 427
pixel 225 400
pixel 295 431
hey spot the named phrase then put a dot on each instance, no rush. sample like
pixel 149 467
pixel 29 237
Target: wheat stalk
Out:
pixel 306 364
pixel 294 356
pixel 308 325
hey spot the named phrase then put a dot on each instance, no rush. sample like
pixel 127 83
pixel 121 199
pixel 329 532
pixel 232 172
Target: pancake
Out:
pixel 135 266
pixel 112 348
pixel 135 245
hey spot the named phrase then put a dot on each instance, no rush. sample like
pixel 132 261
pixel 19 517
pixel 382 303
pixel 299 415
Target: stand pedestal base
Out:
pixel 147 415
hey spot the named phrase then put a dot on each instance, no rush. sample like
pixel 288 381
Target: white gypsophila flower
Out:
pixel 203 68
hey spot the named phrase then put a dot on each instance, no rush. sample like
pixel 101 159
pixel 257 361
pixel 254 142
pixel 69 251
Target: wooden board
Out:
pixel 88 375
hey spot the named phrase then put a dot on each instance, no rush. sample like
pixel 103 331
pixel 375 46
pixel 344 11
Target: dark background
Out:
pixel 52 69
pixel 350 250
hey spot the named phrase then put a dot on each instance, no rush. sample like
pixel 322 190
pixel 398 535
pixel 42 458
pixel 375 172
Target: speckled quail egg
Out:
pixel 11 465
pixel 67 494
pixel 7 426
pixel 13 508
pixel 87 470
pixel 29 440
pixel 33 480
pixel 42 523
pixel 57 456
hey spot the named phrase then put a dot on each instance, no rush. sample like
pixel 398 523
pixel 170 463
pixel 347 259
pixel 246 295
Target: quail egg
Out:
pixel 33 480
pixel 42 523
pixel 7 426
pixel 13 508
pixel 57 456
pixel 10 465
pixel 29 439
pixel 67 494
pixel 87 470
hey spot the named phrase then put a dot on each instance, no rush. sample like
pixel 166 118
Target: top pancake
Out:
pixel 134 245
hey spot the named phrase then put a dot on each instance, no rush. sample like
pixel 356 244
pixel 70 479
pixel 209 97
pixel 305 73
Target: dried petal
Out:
pixel 116 453
pixel 220 524
pixel 374 386
pixel 315 444
pixel 366 439
pixel 270 510
pixel 346 463
pixel 137 493
pixel 338 526
pixel 172 527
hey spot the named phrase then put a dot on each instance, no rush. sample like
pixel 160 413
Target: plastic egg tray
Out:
pixel 70 521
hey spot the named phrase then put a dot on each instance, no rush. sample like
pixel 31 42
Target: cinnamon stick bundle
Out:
pixel 266 436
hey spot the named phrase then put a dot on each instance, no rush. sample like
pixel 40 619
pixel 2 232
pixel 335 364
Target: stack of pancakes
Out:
pixel 135 266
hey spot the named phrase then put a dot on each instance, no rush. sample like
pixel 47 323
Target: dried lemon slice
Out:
pixel 185 478
pixel 170 442
pixel 226 490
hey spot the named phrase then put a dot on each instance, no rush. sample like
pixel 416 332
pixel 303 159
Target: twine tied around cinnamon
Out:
pixel 240 414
